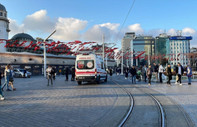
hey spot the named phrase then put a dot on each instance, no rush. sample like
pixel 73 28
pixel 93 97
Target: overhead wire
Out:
pixel 132 5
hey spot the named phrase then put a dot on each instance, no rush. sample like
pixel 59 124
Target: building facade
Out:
pixel 179 49
pixel 144 44
pixel 162 45
pixel 127 48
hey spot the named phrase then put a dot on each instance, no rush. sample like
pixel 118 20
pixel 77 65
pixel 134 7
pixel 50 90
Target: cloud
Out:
pixel 69 28
pixel 39 21
pixel 109 30
pixel 135 28
pixel 188 31
pixel 15 27
pixel 155 32
pixel 172 32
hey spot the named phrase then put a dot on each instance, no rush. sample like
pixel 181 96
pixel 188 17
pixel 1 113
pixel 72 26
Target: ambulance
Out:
pixel 88 68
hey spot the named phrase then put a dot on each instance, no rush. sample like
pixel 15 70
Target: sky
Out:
pixel 88 20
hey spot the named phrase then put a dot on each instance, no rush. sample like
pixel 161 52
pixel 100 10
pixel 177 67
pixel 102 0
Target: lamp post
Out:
pixel 103 50
pixel 45 63
pixel 122 64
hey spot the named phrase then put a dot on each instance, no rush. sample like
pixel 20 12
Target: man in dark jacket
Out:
pixel 156 69
pixel 133 74
pixel 66 73
pixel 73 73
pixel 169 74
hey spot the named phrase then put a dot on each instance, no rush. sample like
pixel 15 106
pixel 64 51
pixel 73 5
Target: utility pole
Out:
pixel 103 50
pixel 45 63
pixel 106 61
pixel 122 64
pixel 148 56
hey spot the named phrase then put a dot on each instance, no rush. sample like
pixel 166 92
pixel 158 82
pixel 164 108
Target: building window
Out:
pixel 1 13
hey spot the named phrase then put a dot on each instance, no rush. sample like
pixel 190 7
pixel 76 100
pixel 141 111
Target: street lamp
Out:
pixel 45 63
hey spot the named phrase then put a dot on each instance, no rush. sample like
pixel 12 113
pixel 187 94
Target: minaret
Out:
pixel 4 27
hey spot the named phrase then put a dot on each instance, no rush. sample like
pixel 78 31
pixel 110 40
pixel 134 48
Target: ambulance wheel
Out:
pixel 98 80
pixel 106 78
pixel 79 82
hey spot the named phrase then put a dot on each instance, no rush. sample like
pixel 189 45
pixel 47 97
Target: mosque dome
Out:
pixel 22 36
pixel 2 8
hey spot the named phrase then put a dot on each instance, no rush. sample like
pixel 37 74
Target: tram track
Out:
pixel 128 115
pixel 130 107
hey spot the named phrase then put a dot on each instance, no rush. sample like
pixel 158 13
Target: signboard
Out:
pixel 181 38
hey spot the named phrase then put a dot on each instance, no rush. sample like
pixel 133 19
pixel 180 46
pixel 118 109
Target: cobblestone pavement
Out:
pixel 65 104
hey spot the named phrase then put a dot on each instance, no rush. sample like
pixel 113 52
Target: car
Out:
pixel 20 73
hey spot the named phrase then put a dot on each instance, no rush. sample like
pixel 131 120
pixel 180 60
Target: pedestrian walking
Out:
pixel 175 71
pixel 7 74
pixel 149 74
pixel 139 74
pixel 189 74
pixel 73 73
pixel 66 73
pixel 1 93
pixel 180 71
pixel 110 72
pixel 49 75
pixel 133 74
pixel 117 71
pixel 126 73
pixel 169 74
pixel 144 70
pixel 156 69
pixel 25 73
pixel 11 81
pixel 161 70
pixel 53 73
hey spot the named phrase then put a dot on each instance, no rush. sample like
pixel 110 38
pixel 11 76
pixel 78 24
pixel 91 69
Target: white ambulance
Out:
pixel 88 68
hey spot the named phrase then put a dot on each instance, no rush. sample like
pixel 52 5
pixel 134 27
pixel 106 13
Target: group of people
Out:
pixel 8 74
pixel 179 71
pixel 158 71
pixel 51 73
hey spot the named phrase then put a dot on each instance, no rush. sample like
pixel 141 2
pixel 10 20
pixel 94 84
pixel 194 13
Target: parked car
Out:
pixel 20 73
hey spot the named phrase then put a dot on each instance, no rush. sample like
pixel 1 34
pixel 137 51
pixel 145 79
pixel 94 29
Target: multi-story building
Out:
pixel 162 45
pixel 179 49
pixel 144 44
pixel 127 48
